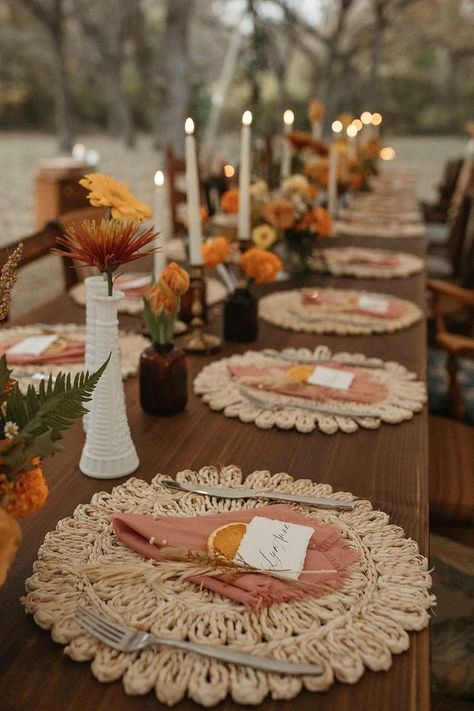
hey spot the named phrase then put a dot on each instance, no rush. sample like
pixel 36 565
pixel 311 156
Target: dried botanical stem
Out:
pixel 8 279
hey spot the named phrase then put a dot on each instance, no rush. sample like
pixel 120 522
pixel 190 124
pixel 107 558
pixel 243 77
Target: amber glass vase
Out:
pixel 241 316
pixel 163 379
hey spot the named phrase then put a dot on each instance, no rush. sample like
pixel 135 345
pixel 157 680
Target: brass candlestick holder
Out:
pixel 199 341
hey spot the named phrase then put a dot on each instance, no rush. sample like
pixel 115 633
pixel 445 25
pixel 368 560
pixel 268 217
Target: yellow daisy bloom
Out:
pixel 264 236
pixel 108 192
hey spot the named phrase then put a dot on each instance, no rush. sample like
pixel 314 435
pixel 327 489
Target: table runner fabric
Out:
pixel 326 552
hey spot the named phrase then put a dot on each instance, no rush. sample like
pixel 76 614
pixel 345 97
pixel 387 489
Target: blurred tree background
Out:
pixel 128 66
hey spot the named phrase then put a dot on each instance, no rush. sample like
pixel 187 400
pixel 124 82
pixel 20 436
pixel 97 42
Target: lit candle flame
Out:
pixel 387 153
pixel 189 126
pixel 159 178
pixel 366 117
pixel 229 170
pixel 358 124
pixel 247 118
pixel 351 131
pixel 288 117
pixel 376 119
pixel 337 126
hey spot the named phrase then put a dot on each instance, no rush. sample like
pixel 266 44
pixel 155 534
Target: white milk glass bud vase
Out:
pixel 109 451
pixel 94 286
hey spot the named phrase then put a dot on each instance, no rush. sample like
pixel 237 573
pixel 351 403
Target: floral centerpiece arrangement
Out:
pixel 107 244
pixel 31 426
pixel 258 266
pixel 163 374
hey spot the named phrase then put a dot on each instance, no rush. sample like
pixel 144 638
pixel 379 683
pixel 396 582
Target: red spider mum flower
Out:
pixel 107 244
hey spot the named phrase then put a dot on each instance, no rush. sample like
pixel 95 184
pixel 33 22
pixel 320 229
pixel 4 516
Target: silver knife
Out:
pixel 227 493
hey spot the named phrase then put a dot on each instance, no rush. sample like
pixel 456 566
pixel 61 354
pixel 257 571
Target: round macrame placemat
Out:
pixel 360 625
pixel 367 229
pixel 131 345
pixel 266 409
pixel 356 262
pixel 216 292
pixel 285 309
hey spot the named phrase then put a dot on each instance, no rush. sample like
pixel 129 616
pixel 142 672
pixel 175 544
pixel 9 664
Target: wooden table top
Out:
pixel 387 466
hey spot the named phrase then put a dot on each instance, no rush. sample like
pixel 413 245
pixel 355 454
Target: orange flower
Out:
pixel 317 220
pixel 315 111
pixel 203 213
pixel 280 213
pixel 107 244
pixel 160 298
pixel 301 139
pixel 176 278
pixel 108 192
pixel 10 537
pixel 230 201
pixel 260 265
pixel 215 251
pixel 27 494
pixel 356 180
pixel 318 171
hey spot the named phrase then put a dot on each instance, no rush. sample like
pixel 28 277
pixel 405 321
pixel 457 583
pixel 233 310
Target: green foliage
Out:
pixel 42 416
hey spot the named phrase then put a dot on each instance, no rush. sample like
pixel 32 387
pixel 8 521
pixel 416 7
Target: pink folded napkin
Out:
pixel 327 551
pixel 73 353
pixel 375 259
pixel 131 292
pixel 348 303
pixel 363 388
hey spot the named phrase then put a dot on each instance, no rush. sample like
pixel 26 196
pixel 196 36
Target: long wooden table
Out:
pixel 387 466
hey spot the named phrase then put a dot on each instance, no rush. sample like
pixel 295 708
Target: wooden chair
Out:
pixel 451 260
pixel 39 244
pixel 438 211
pixel 446 299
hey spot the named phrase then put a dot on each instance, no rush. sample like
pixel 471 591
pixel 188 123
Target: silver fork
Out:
pixel 126 639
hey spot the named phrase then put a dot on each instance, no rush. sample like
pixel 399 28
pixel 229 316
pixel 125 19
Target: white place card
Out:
pixel 331 378
pixel 276 546
pixel 134 283
pixel 372 302
pixel 33 345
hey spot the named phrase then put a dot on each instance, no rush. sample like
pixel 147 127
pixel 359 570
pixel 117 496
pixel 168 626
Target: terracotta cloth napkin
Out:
pixel 362 389
pixel 375 259
pixel 395 309
pixel 326 551
pixel 73 353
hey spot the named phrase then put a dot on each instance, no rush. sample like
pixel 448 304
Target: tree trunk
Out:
pixel 372 96
pixel 172 110
pixel 62 91
pixel 120 115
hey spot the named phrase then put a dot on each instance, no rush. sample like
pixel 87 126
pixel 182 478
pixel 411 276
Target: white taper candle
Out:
pixel 192 195
pixel 244 178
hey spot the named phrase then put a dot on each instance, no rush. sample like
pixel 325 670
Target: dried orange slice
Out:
pixel 300 373
pixel 225 540
pixel 58 346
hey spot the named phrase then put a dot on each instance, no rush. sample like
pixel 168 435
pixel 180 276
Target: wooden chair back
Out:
pixel 459 242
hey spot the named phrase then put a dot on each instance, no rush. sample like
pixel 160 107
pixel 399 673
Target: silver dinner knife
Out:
pixel 227 493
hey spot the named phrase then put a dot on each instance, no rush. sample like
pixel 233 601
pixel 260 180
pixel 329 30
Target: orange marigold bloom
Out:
pixel 176 278
pixel 230 201
pixel 27 494
pixel 301 139
pixel 106 244
pixel 280 213
pixel 317 220
pixel 160 298
pixel 10 537
pixel 260 265
pixel 108 192
pixel 215 251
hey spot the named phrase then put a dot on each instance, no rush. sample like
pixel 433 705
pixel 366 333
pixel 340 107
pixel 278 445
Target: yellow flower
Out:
pixel 264 236
pixel 259 189
pixel 108 192
pixel 296 183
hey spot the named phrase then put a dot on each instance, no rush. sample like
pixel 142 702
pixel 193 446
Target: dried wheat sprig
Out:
pixel 8 279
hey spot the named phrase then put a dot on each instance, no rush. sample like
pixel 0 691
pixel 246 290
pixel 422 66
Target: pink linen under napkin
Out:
pixel 373 259
pixel 73 353
pixel 326 552
pixel 362 389
pixel 396 308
